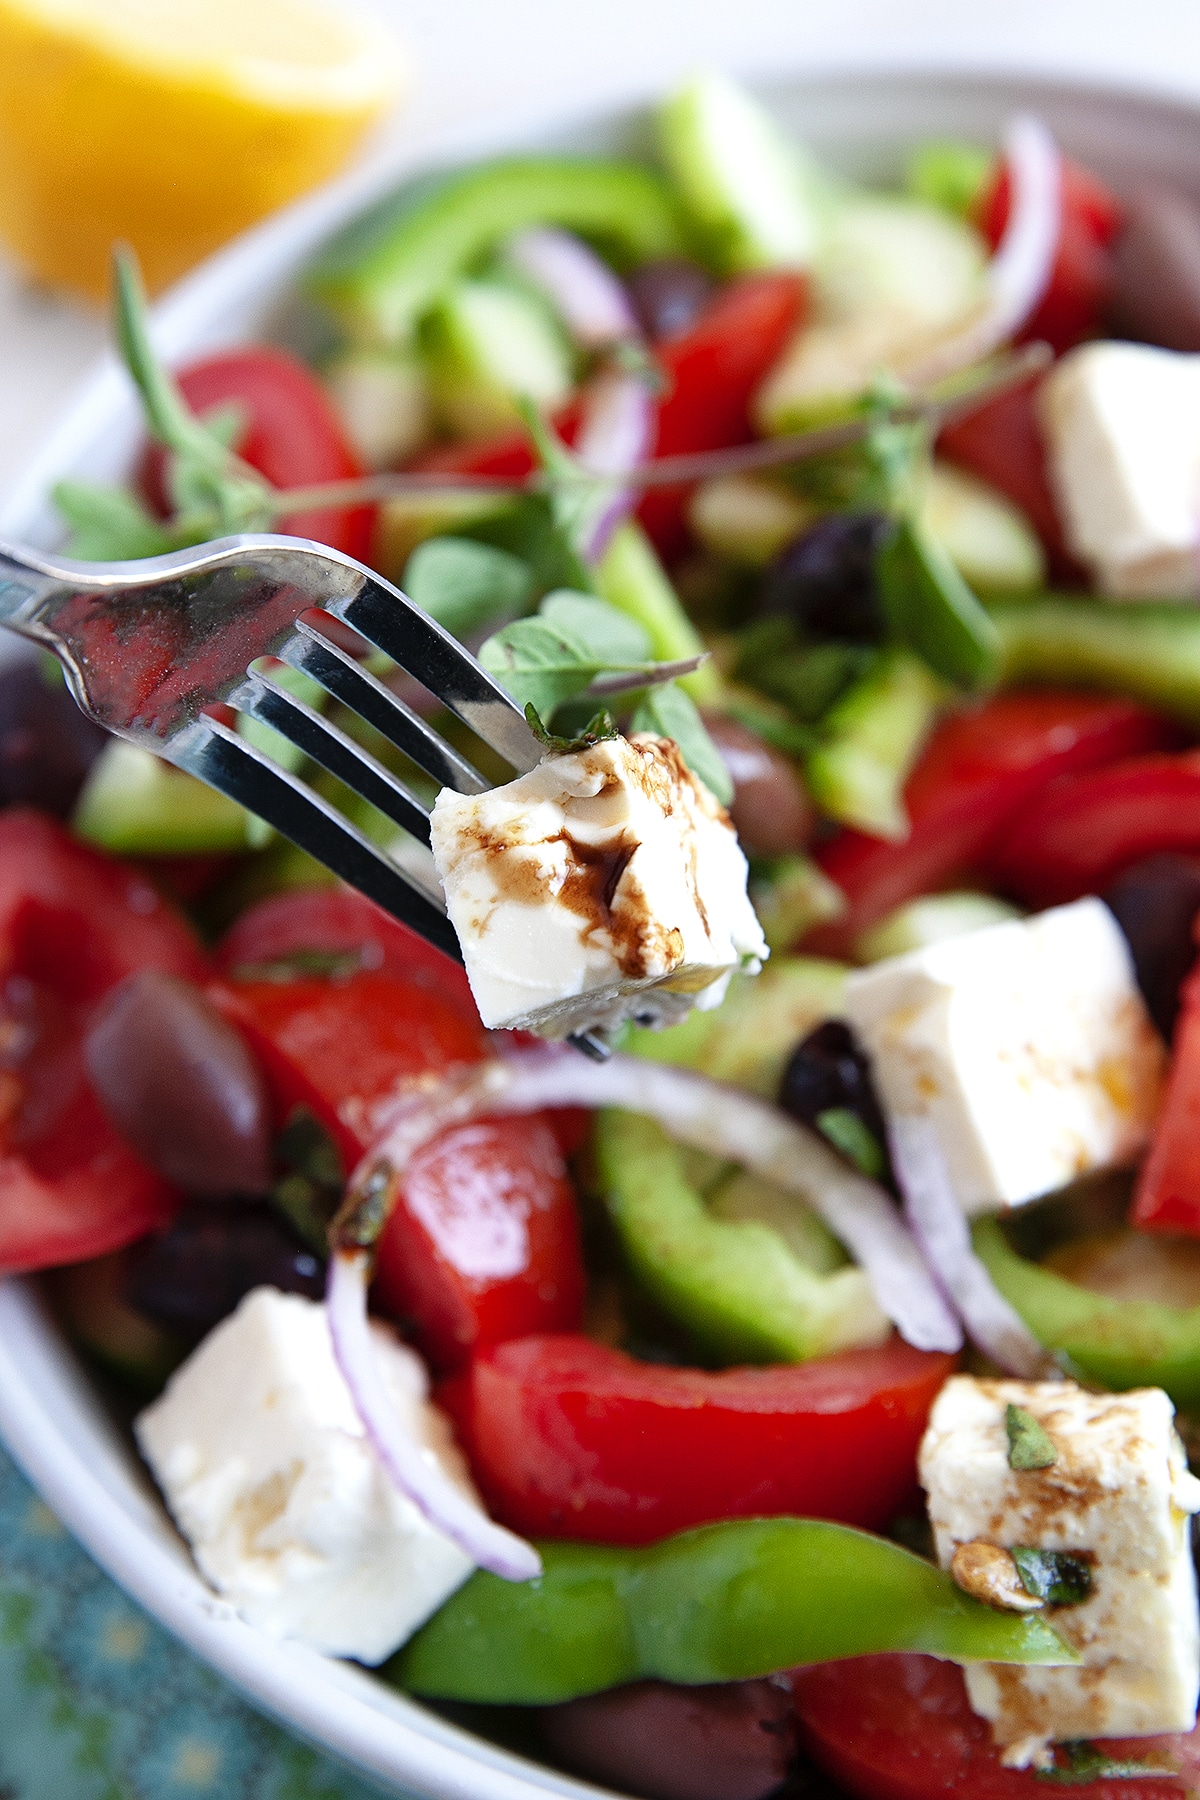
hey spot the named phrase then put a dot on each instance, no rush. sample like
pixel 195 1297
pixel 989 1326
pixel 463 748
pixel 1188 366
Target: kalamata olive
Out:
pixel 1156 265
pixel 771 811
pixel 1155 902
pixel 728 1742
pixel 828 1072
pixel 46 744
pixel 181 1086
pixel 825 579
pixel 669 295
pixel 192 1275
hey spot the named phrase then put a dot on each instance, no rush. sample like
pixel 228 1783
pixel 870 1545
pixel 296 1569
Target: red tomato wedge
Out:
pixel 73 923
pixel 979 771
pixel 484 1242
pixel 712 373
pixel 569 1438
pixel 1077 833
pixel 901 1728
pixel 1167 1196
pixel 293 436
pixel 1072 307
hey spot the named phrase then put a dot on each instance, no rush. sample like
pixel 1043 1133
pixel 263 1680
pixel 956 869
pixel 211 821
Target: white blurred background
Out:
pixel 473 58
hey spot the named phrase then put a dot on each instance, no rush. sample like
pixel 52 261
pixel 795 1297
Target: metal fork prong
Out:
pixel 337 672
pixel 333 749
pixel 214 753
pixel 414 640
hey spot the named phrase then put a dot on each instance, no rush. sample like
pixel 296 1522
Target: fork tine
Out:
pixel 337 672
pixel 214 753
pixel 414 640
pixel 302 726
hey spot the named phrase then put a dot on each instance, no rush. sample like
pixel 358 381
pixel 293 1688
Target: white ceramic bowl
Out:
pixel 50 1416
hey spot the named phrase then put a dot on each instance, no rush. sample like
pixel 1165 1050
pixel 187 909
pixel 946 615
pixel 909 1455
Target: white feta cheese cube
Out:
pixel 265 1466
pixel 1122 426
pixel 1118 1490
pixel 604 885
pixel 1026 1045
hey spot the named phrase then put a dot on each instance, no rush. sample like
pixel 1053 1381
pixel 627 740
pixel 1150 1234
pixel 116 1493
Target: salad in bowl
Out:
pixel 799 1395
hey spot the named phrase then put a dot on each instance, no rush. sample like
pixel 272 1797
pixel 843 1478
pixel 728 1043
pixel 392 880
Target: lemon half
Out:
pixel 173 124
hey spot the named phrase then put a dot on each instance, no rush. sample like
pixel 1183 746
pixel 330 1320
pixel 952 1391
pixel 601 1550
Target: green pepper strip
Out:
pixel 722 1603
pixel 1146 650
pixel 734 1283
pixel 873 735
pixel 386 271
pixel 1119 1343
pixel 631 578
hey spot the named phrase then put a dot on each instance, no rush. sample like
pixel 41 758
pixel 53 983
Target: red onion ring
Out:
pixel 614 439
pixel 939 1226
pixel 583 290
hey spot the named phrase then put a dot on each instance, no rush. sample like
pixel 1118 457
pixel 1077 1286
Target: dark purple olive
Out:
pixel 46 744
pixel 669 295
pixel 827 1072
pixel 1155 902
pixel 193 1274
pixel 824 580
pixel 180 1085
pixel 771 810
pixel 1156 267
pixel 729 1742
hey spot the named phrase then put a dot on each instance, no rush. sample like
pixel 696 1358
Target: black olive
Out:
pixel 669 295
pixel 192 1275
pixel 46 744
pixel 733 1741
pixel 1156 266
pixel 828 1072
pixel 1155 902
pixel 824 580
pixel 180 1085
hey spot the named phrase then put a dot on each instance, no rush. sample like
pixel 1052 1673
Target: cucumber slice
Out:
pixel 488 345
pixel 747 1196
pixel 874 734
pixel 950 173
pixel 747 519
pixel 382 399
pixel 929 920
pixel 749 188
pixel 987 538
pixel 407 520
pixel 134 804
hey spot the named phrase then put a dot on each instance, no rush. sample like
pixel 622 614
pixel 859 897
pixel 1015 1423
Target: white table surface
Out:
pixel 474 57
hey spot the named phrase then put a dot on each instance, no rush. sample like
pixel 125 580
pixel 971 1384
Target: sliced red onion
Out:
pixel 614 439
pixel 581 287
pixel 412 1466
pixel 939 1226
pixel 1019 272
pixel 730 1124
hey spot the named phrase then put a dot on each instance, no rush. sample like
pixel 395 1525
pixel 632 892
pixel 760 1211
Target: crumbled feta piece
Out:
pixel 604 885
pixel 1122 425
pixel 1118 1490
pixel 264 1463
pixel 1027 1046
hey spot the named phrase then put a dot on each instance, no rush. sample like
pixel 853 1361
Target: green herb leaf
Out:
pixel 847 1133
pixel 930 608
pixel 1085 1763
pixel 109 524
pixel 1029 1444
pixel 465 585
pixel 1061 1577
pixel 545 660
pixel 611 636
pixel 312 1177
pixel 576 495
pixel 599 730
pixel 671 713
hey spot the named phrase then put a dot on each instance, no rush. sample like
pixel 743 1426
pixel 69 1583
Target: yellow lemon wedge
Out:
pixel 173 124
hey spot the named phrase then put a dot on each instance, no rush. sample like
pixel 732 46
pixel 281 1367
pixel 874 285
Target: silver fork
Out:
pixel 148 645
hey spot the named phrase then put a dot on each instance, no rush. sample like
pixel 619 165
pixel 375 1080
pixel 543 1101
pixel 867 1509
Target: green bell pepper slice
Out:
pixel 1119 1343
pixel 1146 649
pixel 725 1602
pixel 384 273
pixel 929 607
pixel 872 737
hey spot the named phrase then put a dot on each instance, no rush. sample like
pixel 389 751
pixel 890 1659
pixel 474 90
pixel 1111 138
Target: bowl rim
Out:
pixel 338 1707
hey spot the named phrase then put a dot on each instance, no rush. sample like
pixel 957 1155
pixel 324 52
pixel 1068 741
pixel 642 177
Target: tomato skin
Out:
pixel 1082 829
pixel 900 1727
pixel 978 771
pixel 1072 307
pixel 1002 443
pixel 73 923
pixel 1167 1195
pixel 483 1243
pixel 569 1438
pixel 293 437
